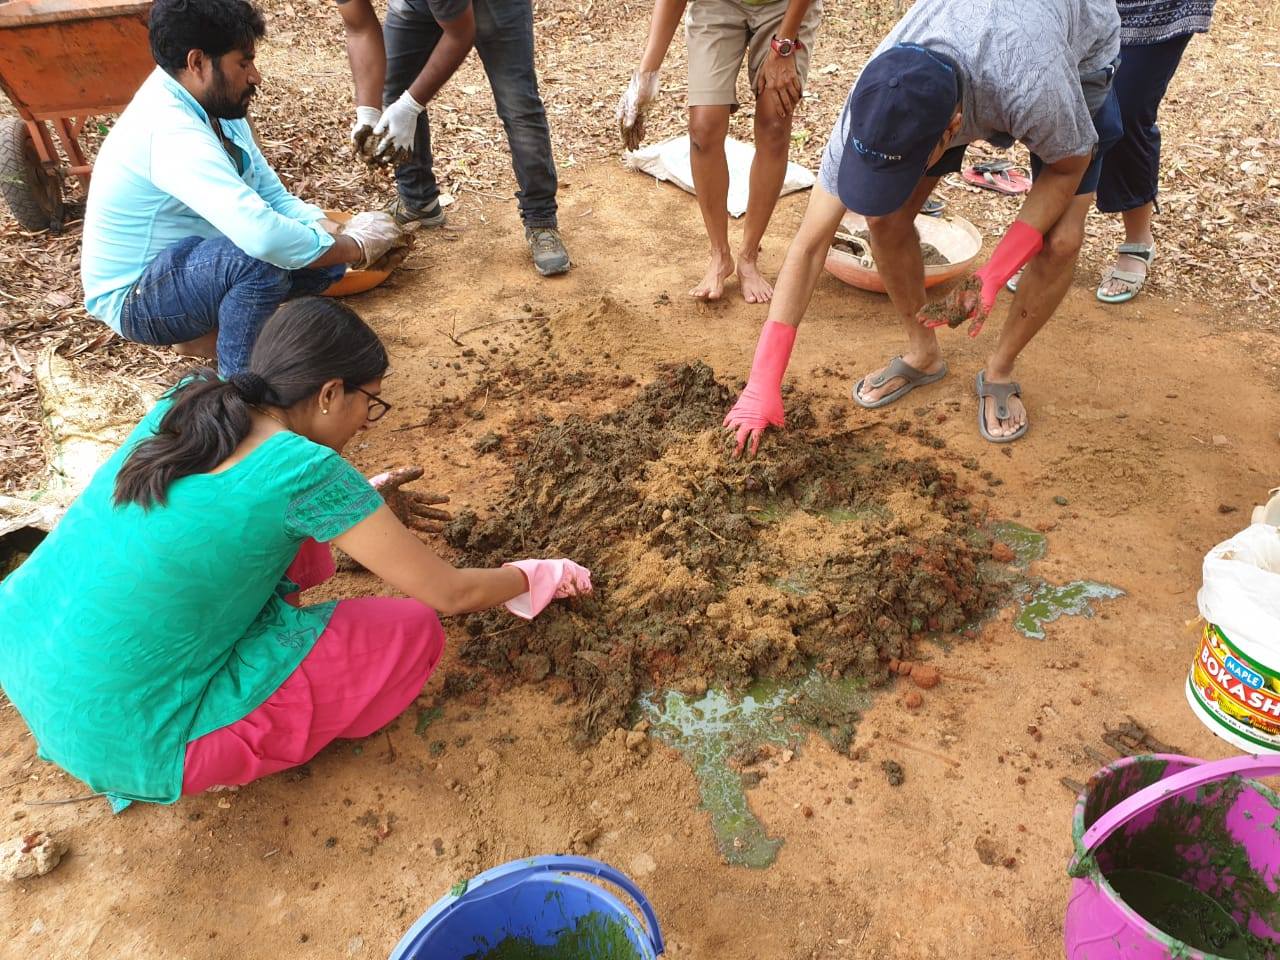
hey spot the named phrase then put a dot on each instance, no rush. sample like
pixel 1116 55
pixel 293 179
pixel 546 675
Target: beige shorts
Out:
pixel 721 32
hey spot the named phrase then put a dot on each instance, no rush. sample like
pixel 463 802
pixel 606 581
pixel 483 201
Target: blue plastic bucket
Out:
pixel 538 898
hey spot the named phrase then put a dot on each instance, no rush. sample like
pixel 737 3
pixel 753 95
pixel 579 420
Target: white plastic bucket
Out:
pixel 1234 682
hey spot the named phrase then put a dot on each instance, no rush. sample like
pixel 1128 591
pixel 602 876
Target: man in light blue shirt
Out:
pixel 189 236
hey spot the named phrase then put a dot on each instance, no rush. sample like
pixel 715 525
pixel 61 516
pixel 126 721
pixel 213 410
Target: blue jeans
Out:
pixel 504 41
pixel 197 286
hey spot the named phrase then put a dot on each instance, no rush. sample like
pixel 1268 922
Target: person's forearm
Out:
pixel 789 28
pixel 451 49
pixel 1052 193
pixel 475 589
pixel 662 28
pixel 368 58
pixel 343 250
pixel 805 258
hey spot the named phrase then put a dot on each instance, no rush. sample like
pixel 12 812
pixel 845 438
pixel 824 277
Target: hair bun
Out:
pixel 251 387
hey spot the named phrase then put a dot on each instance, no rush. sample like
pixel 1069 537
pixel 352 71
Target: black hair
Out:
pixel 216 27
pixel 305 344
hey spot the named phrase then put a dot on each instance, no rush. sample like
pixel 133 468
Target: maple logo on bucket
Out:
pixel 1244 696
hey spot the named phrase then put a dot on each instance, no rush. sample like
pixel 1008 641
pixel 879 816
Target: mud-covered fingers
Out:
pixel 427 499
pixel 393 478
pixel 426 526
pixel 429 513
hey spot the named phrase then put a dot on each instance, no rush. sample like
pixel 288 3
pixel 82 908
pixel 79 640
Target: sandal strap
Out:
pixel 1141 251
pixel 1000 393
pixel 897 368
pixel 1124 276
pixel 993 166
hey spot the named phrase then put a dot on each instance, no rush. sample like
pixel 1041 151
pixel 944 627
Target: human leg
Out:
pixel 364 670
pixel 410 33
pixel 504 42
pixel 1044 283
pixel 1129 179
pixel 199 286
pixel 772 140
pixel 708 127
pixel 717 36
pixel 895 245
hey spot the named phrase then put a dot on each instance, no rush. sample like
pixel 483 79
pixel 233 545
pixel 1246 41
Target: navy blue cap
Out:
pixel 897 113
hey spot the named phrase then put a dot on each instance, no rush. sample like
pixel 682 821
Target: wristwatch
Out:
pixel 784 48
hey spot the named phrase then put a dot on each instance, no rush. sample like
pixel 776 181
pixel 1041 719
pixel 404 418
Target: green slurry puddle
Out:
pixel 1047 603
pixel 713 729
pixel 1041 602
pixel 593 936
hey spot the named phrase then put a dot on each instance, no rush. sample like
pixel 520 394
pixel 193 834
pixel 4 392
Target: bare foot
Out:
pixel 1012 423
pixel 755 288
pixel 719 269
pixel 927 363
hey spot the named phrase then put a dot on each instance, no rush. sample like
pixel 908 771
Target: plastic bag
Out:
pixel 670 161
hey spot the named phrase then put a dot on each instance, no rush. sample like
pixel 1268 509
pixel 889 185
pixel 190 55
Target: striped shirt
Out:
pixel 1155 21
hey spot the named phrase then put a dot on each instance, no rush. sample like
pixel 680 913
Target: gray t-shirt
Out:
pixel 1034 72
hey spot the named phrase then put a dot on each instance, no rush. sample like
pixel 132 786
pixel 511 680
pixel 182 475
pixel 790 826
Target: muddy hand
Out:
pixel 750 417
pixel 396 255
pixel 640 92
pixel 965 303
pixel 547 580
pixel 415 510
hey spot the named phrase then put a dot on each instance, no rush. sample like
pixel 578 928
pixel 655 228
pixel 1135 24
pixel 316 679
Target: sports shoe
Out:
pixel 406 215
pixel 549 255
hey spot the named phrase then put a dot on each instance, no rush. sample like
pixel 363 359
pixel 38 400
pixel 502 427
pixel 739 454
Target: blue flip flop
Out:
pixel 1000 393
pixel 897 369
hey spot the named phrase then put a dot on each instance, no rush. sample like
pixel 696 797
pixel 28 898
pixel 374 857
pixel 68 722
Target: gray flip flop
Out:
pixel 1000 393
pixel 898 368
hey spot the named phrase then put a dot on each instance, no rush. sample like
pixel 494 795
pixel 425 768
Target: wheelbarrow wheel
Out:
pixel 34 197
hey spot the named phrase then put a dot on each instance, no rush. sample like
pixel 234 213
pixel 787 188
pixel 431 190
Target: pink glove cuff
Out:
pixel 773 353
pixel 1019 244
pixel 548 579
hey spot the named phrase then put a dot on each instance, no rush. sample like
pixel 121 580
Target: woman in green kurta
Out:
pixel 153 642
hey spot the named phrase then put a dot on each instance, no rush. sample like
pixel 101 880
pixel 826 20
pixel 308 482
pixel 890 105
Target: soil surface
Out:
pixel 1150 442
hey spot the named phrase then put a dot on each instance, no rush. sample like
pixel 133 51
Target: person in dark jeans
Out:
pixel 190 238
pixel 504 41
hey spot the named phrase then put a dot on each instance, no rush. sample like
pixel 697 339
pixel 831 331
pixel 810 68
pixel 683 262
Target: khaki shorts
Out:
pixel 721 32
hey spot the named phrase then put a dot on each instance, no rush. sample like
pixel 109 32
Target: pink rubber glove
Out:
pixel 974 299
pixel 548 580
pixel 760 405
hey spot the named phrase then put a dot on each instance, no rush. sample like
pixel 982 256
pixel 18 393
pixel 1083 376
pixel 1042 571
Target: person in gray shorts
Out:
pixel 954 71
pixel 776 38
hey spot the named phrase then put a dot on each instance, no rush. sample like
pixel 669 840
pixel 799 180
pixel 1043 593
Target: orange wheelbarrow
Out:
pixel 62 62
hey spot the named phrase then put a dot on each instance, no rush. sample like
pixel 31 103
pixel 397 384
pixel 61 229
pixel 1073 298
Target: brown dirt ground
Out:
pixel 1125 404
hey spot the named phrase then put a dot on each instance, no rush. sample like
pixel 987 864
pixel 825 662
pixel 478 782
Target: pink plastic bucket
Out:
pixel 1172 850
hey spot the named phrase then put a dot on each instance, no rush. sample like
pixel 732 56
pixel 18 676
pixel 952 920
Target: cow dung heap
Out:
pixel 827 550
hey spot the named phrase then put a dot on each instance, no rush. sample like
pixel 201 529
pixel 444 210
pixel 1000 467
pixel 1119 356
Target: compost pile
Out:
pixel 824 550
pixel 858 244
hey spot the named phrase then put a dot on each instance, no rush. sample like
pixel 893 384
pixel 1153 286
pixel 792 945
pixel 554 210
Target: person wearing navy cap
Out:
pixel 951 72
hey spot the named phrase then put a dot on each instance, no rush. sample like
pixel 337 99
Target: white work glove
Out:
pixel 376 234
pixel 362 130
pixel 640 92
pixel 398 128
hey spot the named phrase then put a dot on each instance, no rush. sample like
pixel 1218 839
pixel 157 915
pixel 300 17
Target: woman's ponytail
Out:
pixel 304 345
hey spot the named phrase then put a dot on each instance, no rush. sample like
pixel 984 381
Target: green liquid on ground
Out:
pixel 593 937
pixel 711 730
pixel 1183 913
pixel 1048 602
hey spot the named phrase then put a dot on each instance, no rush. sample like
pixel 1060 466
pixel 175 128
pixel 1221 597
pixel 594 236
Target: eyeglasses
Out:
pixel 378 407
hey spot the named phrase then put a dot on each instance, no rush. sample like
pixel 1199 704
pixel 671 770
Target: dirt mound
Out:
pixel 826 550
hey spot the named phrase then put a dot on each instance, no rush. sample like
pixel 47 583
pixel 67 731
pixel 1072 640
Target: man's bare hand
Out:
pixel 778 86
pixel 418 511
